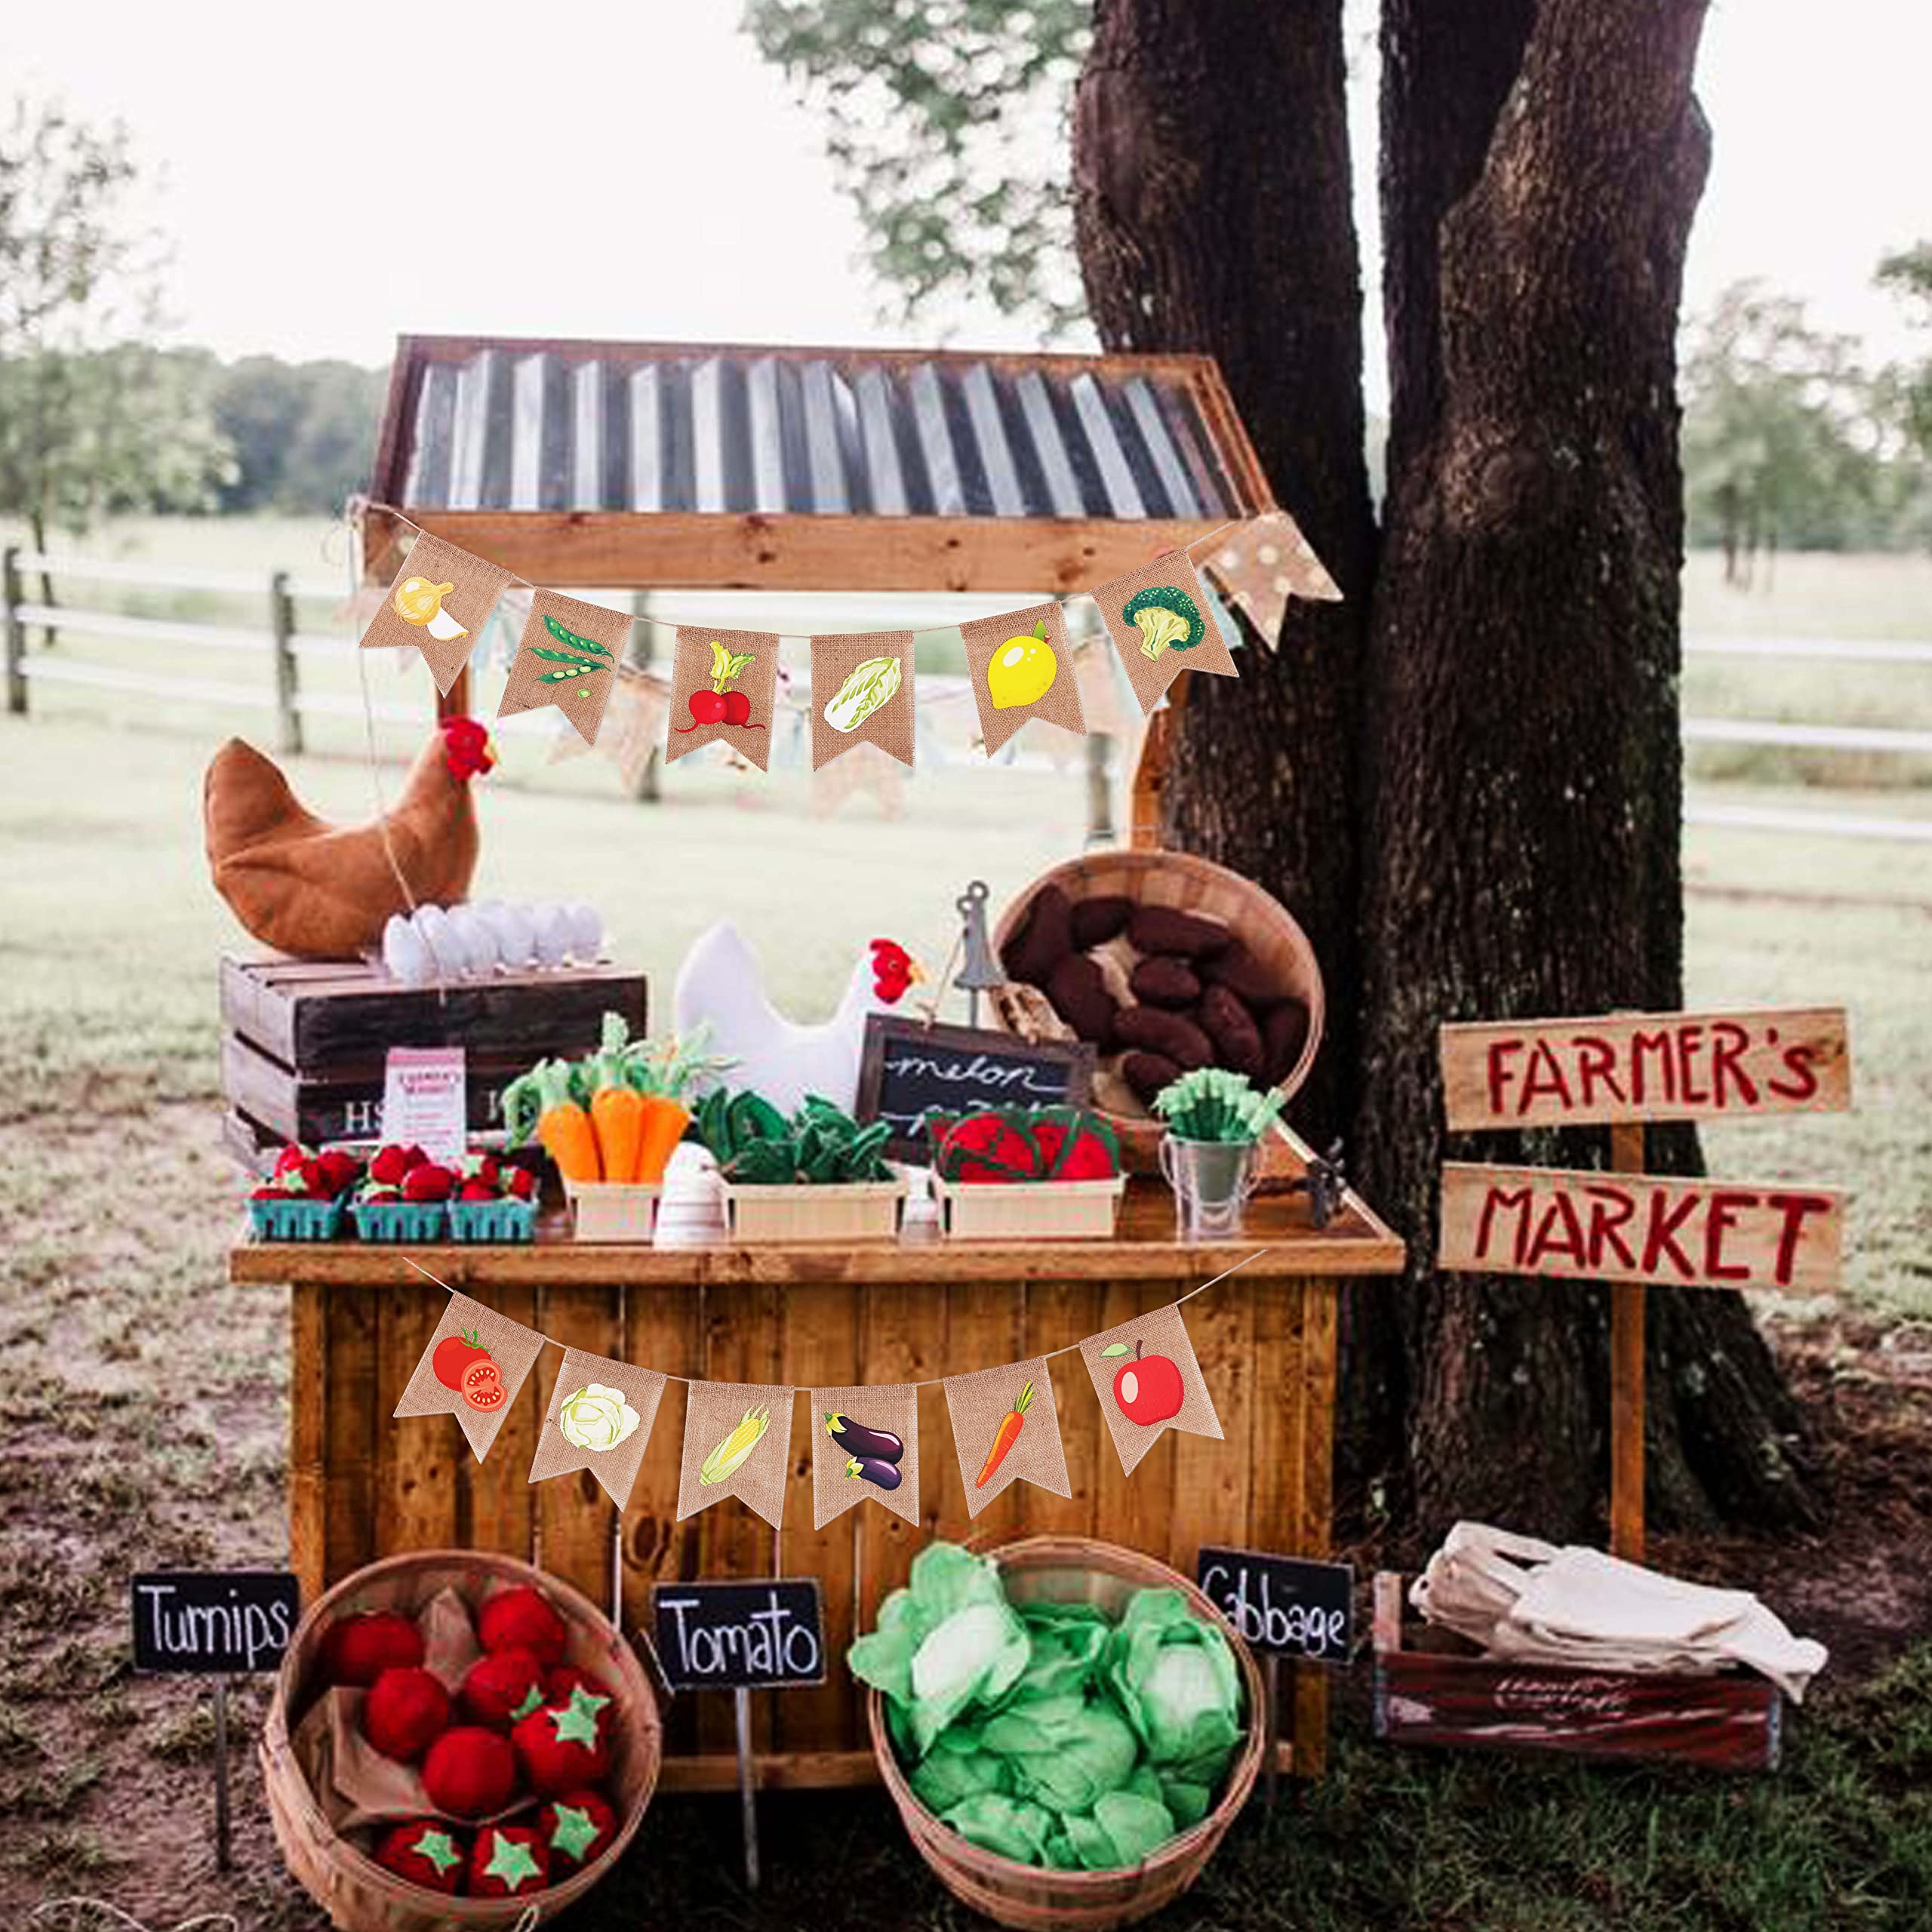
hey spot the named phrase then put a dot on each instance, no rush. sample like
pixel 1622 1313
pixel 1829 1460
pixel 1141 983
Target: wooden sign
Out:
pixel 1644 1228
pixel 910 1070
pixel 1645 1066
pixel 1284 1606
pixel 740 1636
pixel 212 1622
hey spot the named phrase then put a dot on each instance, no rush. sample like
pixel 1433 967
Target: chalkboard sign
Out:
pixel 1285 1605
pixel 740 1636
pixel 214 1620
pixel 910 1070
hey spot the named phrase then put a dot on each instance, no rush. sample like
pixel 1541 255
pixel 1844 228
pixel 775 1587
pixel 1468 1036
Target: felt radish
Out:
pixel 425 1852
pixel 470 1772
pixel 358 1649
pixel 577 1828
pixel 504 1687
pixel 507 1861
pixel 521 1618
pixel 564 1746
pixel 406 1711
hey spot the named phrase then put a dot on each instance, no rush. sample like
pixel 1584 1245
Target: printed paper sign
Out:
pixel 426 1100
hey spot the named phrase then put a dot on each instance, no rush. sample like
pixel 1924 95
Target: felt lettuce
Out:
pixel 1064 1751
pixel 954 1770
pixel 1177 1681
pixel 1010 1826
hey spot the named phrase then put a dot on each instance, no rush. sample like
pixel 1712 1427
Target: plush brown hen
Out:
pixel 325 891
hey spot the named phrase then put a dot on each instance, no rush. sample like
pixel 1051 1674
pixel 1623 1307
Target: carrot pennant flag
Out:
pixel 1004 1426
pixel 1158 619
pixel 599 1419
pixel 568 657
pixel 738 1442
pixel 441 600
pixel 1147 1380
pixel 474 1369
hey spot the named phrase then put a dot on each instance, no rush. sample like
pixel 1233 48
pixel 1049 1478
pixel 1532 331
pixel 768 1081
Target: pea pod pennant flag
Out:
pixel 474 1369
pixel 738 1442
pixel 861 694
pixel 1158 619
pixel 441 600
pixel 723 686
pixel 599 1419
pixel 568 657
pixel 1021 665
pixel 865 1445
pixel 1005 1426
pixel 1147 1380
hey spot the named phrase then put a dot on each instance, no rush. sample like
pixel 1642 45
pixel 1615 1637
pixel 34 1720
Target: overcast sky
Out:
pixel 461 165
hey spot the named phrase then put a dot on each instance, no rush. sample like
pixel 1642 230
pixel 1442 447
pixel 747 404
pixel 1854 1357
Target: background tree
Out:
pixel 302 432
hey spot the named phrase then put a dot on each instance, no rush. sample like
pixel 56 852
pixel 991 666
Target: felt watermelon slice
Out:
pixel 1091 1153
pixel 987 1147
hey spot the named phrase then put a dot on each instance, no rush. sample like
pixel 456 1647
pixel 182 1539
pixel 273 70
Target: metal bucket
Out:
pixel 1211 1180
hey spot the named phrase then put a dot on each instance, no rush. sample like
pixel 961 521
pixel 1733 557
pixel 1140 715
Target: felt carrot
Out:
pixel 545 1099
pixel 1006 1435
pixel 617 1109
pixel 662 1122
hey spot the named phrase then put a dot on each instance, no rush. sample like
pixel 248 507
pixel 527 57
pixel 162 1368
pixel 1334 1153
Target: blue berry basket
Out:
pixel 397 1221
pixel 497 1222
pixel 296 1219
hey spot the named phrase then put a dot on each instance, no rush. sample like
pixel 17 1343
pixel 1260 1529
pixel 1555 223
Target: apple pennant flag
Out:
pixel 568 657
pixel 441 600
pixel 1158 619
pixel 723 686
pixel 599 1419
pixel 1005 1426
pixel 474 1369
pixel 738 1442
pixel 1021 665
pixel 1147 1380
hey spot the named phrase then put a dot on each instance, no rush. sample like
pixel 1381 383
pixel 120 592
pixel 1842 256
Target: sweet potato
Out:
pixel 1097 921
pixel 1180 1040
pixel 1232 1028
pixel 1147 1074
pixel 1165 980
pixel 1079 991
pixel 1244 975
pixel 1043 942
pixel 1160 929
pixel 1283 1033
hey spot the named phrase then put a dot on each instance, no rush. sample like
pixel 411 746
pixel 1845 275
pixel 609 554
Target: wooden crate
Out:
pixel 1021 1209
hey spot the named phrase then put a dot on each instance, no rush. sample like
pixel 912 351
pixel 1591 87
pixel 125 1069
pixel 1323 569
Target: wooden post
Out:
pixel 281 632
pixel 1626 1377
pixel 17 634
pixel 1099 789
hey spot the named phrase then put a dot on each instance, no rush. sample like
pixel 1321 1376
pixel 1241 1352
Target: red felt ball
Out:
pixel 522 1620
pixel 507 1861
pixel 560 1680
pixel 425 1852
pixel 499 1687
pixel 358 1649
pixel 575 1828
pixel 406 1711
pixel 563 1746
pixel 469 1772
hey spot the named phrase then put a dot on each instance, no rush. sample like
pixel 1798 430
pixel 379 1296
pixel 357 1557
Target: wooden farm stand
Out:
pixel 362 1485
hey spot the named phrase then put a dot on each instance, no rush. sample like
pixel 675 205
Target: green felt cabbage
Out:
pixel 1008 1825
pixel 1177 1681
pixel 1065 1752
pixel 949 1773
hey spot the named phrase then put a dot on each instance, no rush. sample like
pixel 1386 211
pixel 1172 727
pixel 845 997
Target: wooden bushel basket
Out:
pixel 1078 1569
pixel 357 1894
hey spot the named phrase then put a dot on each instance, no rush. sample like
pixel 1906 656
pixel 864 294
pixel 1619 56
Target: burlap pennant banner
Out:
pixel 861 694
pixel 599 1419
pixel 474 1369
pixel 865 1443
pixel 724 686
pixel 441 600
pixel 1158 619
pixel 1261 564
pixel 1021 663
pixel 736 1443
pixel 1147 1380
pixel 1005 1427
pixel 634 723
pixel 568 657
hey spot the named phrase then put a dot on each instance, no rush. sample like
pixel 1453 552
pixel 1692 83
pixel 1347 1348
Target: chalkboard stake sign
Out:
pixel 765 1635
pixel 208 1623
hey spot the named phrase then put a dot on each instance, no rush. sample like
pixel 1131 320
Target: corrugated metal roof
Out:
pixel 514 426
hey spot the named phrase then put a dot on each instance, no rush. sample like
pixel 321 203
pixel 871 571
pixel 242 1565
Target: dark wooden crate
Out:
pixel 346 1104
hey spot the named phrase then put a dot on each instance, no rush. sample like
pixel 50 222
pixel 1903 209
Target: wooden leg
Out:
pixel 1315 1504
pixel 1626 1380
pixel 308 1395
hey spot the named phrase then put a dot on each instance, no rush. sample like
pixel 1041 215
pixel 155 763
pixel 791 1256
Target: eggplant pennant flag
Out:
pixel 1158 619
pixel 474 1369
pixel 441 600
pixel 1021 665
pixel 738 1442
pixel 723 686
pixel 1005 1426
pixel 1147 1380
pixel 865 1443
pixel 568 657
pixel 861 694
pixel 599 1419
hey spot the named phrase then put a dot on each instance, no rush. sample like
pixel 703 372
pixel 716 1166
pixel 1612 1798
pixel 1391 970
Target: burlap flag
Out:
pixel 1005 1426
pixel 634 722
pixel 1261 564
pixel 737 1436
pixel 867 773
pixel 474 1368
pixel 568 657
pixel 722 686
pixel 441 600
pixel 1021 663
pixel 865 1443
pixel 599 1419
pixel 1158 619
pixel 1147 1378
pixel 861 694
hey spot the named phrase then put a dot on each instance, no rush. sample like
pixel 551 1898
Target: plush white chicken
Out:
pixel 719 985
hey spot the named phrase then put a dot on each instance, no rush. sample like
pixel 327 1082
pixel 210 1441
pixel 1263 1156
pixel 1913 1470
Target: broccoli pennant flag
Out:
pixel 738 1442
pixel 1157 618
pixel 1005 1426
pixel 861 694
pixel 1022 666
pixel 474 1369
pixel 1147 1380
pixel 599 1419
pixel 723 685
pixel 441 600
pixel 568 657
pixel 865 1443
pixel 1261 564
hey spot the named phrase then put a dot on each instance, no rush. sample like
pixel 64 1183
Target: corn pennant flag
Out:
pixel 738 1442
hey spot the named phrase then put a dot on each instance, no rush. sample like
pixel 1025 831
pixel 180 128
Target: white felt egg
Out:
pixel 516 932
pixel 433 923
pixel 405 954
pixel 587 931
pixel 553 935
pixel 473 937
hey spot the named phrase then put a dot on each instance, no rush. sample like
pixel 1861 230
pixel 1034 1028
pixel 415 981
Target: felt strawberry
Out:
pixel 425 1852
pixel 560 1680
pixel 339 1170
pixel 507 1861
pixel 389 1164
pixel 407 1709
pixel 577 1828
pixel 522 1619
pixel 372 1190
pixel 520 1182
pixel 564 1746
pixel 470 1772
pixel 504 1687
pixel 291 1156
pixel 426 1181
pixel 476 1190
pixel 484 1167
pixel 357 1649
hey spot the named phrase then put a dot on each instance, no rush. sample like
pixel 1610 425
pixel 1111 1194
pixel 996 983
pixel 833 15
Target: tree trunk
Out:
pixel 1523 764
pixel 1212 211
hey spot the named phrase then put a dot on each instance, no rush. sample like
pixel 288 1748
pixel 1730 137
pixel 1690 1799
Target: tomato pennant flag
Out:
pixel 738 1442
pixel 1148 1381
pixel 441 600
pixel 1261 564
pixel 1021 664
pixel 1158 619
pixel 599 1419
pixel 1005 1426
pixel 724 686
pixel 568 657
pixel 474 1368
pixel 861 694
pixel 865 1444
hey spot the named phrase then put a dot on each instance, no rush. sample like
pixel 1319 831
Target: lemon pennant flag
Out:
pixel 1005 1426
pixel 599 1419
pixel 1148 1381
pixel 738 1442
pixel 1259 564
pixel 474 1369
pixel 723 683
pixel 568 657
pixel 1022 666
pixel 1157 618
pixel 865 1445
pixel 861 694
pixel 441 600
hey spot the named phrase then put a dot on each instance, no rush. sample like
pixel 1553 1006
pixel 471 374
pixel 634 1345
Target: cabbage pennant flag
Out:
pixel 1157 618
pixel 738 1442
pixel 865 1444
pixel 441 600
pixel 599 1419
pixel 474 1369
pixel 724 685
pixel 1005 1426
pixel 1022 666
pixel 861 694
pixel 1148 1381
pixel 1261 564
pixel 568 657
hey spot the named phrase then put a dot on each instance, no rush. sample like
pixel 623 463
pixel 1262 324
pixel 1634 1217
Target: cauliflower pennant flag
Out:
pixel 738 1442
pixel 568 657
pixel 861 694
pixel 441 600
pixel 1147 1380
pixel 1022 666
pixel 599 1419
pixel 474 1369
pixel 723 686
pixel 865 1443
pixel 1157 618
pixel 1005 1426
